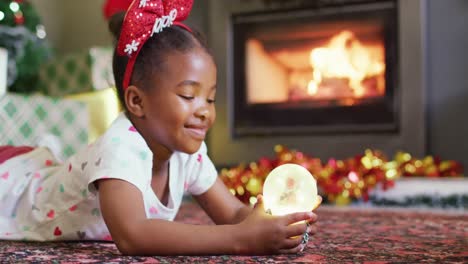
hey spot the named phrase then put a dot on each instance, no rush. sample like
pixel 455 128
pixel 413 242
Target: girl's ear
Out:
pixel 134 101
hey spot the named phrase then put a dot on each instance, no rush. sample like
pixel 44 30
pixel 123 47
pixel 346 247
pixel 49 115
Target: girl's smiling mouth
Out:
pixel 197 131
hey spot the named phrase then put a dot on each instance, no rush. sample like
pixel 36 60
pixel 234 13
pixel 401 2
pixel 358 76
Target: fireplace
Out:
pixel 317 69
pixel 328 121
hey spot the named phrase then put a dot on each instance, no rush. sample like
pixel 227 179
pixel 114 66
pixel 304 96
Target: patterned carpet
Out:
pixel 347 235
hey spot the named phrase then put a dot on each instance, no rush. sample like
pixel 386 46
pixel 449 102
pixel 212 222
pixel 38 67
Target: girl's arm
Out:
pixel 221 205
pixel 123 211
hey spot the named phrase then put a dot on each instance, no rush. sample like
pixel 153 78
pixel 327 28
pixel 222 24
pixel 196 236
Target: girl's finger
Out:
pixel 291 242
pixel 259 204
pixel 296 229
pixel 313 220
pixel 312 229
pixel 297 217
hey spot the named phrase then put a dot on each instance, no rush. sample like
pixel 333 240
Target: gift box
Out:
pixel 36 120
pixel 79 72
pixel 447 192
pixel 103 108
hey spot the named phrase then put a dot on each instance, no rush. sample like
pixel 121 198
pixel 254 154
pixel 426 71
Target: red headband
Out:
pixel 143 19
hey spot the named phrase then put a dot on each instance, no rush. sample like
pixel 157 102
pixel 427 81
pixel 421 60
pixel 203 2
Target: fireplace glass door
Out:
pixel 315 70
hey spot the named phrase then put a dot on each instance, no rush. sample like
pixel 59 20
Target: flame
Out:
pixel 347 58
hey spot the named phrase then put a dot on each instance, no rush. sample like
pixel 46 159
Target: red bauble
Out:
pixel 19 19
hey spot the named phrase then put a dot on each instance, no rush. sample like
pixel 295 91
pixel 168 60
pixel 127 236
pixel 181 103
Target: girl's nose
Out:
pixel 203 112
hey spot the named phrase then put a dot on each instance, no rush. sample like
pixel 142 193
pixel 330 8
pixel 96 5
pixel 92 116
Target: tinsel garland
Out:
pixel 338 181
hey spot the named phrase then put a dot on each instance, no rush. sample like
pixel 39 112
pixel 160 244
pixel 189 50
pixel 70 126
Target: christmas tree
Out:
pixel 23 35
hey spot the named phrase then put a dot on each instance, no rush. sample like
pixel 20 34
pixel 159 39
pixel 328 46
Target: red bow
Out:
pixel 145 18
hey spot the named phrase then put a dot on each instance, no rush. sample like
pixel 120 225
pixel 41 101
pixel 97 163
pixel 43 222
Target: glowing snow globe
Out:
pixel 289 188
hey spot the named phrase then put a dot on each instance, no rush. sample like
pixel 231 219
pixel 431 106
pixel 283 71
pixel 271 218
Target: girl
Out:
pixel 129 184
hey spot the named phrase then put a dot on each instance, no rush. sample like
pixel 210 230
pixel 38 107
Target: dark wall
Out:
pixel 198 18
pixel 447 82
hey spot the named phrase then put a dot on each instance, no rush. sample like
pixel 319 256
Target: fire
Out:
pixel 346 58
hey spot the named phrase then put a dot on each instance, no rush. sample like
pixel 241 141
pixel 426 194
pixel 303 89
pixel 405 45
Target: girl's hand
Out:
pixel 261 233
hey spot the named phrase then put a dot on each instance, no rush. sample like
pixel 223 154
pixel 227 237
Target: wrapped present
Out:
pixel 33 120
pixel 77 73
pixel 448 192
pixel 103 108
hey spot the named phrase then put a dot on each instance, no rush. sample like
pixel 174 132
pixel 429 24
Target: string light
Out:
pixel 40 31
pixel 14 7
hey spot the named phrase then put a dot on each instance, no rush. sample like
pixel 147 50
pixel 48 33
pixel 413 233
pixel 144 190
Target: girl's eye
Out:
pixel 211 101
pixel 186 97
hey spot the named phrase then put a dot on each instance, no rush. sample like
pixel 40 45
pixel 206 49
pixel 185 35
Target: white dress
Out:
pixel 42 200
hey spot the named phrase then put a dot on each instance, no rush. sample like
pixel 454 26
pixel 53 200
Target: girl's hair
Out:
pixel 152 57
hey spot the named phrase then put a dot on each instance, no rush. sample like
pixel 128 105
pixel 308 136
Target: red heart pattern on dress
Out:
pixel 5 175
pixel 57 231
pixel 51 214
pixel 153 210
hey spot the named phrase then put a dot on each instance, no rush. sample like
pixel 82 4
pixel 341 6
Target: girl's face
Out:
pixel 180 106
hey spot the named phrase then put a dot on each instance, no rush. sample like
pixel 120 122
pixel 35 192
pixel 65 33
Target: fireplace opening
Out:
pixel 328 69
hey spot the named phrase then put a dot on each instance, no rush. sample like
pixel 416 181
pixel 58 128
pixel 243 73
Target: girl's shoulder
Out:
pixel 120 138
